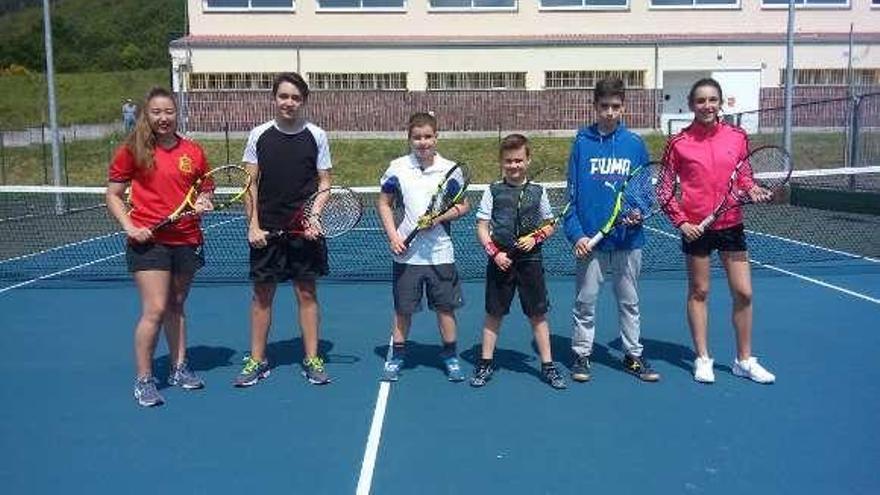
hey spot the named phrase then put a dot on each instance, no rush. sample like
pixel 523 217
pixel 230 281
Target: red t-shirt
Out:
pixel 157 192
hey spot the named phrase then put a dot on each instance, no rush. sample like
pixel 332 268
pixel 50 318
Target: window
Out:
pixel 832 77
pixel 476 80
pixel 381 5
pixel 783 4
pixel 584 4
pixel 587 79
pixel 231 81
pixel 696 4
pixel 323 81
pixel 237 5
pixel 472 4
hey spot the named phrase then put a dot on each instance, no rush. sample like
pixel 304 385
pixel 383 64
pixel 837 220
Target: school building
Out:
pixel 485 65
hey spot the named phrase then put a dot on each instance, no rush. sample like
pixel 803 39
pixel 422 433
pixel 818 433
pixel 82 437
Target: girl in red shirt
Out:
pixel 702 157
pixel 160 166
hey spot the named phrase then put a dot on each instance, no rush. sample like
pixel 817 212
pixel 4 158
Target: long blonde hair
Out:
pixel 142 140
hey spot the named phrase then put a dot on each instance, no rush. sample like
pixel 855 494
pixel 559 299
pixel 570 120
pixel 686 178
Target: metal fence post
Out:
pixel 43 149
pixel 854 138
pixel 2 157
pixel 226 130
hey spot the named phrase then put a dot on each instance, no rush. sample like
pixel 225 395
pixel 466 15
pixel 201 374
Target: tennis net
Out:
pixel 829 218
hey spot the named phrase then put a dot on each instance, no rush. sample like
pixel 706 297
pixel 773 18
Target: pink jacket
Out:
pixel 703 158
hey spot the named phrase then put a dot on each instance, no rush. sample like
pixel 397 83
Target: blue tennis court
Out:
pixel 69 422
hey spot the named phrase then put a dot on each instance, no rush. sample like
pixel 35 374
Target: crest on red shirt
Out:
pixel 184 164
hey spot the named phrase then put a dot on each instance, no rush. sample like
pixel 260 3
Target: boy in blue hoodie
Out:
pixel 601 157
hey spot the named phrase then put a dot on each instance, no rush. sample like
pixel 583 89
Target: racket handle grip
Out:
pixel 410 237
pixel 707 221
pixel 596 239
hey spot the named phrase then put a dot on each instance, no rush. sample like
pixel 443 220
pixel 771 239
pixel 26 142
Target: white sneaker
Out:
pixel 750 369
pixel 703 371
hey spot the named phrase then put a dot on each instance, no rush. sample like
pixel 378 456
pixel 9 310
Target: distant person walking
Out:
pixel 129 114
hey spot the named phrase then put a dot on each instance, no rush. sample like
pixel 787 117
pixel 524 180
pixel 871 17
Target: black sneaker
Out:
pixel 482 373
pixel 552 376
pixel 580 369
pixel 641 368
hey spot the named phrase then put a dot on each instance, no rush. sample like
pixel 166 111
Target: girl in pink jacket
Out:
pixel 702 157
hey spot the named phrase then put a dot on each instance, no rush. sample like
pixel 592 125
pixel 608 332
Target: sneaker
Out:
pixel 181 376
pixel 453 369
pixel 391 370
pixel 252 372
pixel 580 369
pixel 552 376
pixel 482 374
pixel 703 371
pixel 314 372
pixel 146 393
pixel 641 368
pixel 750 369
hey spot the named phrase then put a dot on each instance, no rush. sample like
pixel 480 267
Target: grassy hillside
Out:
pixel 93 35
pixel 82 98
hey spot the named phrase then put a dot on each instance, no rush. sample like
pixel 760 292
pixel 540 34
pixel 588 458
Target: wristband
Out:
pixel 491 249
pixel 540 235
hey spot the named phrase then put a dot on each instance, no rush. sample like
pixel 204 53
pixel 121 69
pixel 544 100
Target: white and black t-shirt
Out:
pixel 415 186
pixel 288 167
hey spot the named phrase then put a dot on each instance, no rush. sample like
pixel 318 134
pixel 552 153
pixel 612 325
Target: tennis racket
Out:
pixel 768 167
pixel 532 221
pixel 331 212
pixel 449 193
pixel 640 196
pixel 220 188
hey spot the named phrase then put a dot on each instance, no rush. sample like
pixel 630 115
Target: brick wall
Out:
pixel 388 111
pixel 383 111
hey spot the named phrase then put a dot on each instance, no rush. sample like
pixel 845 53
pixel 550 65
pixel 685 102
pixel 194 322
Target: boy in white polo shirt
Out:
pixel 428 264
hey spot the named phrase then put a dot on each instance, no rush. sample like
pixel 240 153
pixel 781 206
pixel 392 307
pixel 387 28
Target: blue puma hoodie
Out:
pixel 597 167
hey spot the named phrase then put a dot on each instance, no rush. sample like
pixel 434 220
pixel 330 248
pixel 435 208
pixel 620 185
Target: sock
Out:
pixel 448 350
pixel 398 350
pixel 486 363
pixel 548 364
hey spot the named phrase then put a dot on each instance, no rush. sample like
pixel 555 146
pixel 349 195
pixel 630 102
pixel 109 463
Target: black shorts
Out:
pixel 524 276
pixel 289 258
pixel 729 239
pixel 161 257
pixel 439 282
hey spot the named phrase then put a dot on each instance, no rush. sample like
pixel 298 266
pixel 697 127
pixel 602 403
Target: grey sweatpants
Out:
pixel 624 267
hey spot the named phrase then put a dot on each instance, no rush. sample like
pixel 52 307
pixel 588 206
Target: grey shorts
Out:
pixel 439 282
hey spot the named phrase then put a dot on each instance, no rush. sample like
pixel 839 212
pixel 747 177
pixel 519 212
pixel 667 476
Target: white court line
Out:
pixel 365 480
pixel 816 246
pixel 60 272
pixel 58 248
pixel 805 278
pixel 82 265
pixel 819 282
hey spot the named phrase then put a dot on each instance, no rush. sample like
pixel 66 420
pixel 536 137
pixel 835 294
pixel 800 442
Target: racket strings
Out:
pixel 771 167
pixel 340 212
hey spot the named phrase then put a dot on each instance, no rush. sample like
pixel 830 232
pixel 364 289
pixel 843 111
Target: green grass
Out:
pixel 356 162
pixel 359 162
pixel 83 98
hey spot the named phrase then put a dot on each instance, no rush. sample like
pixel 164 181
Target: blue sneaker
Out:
pixel 391 370
pixel 146 393
pixel 183 377
pixel 252 372
pixel 453 369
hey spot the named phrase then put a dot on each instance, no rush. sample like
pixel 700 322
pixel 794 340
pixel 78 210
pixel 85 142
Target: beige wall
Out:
pixel 534 61
pixel 528 20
